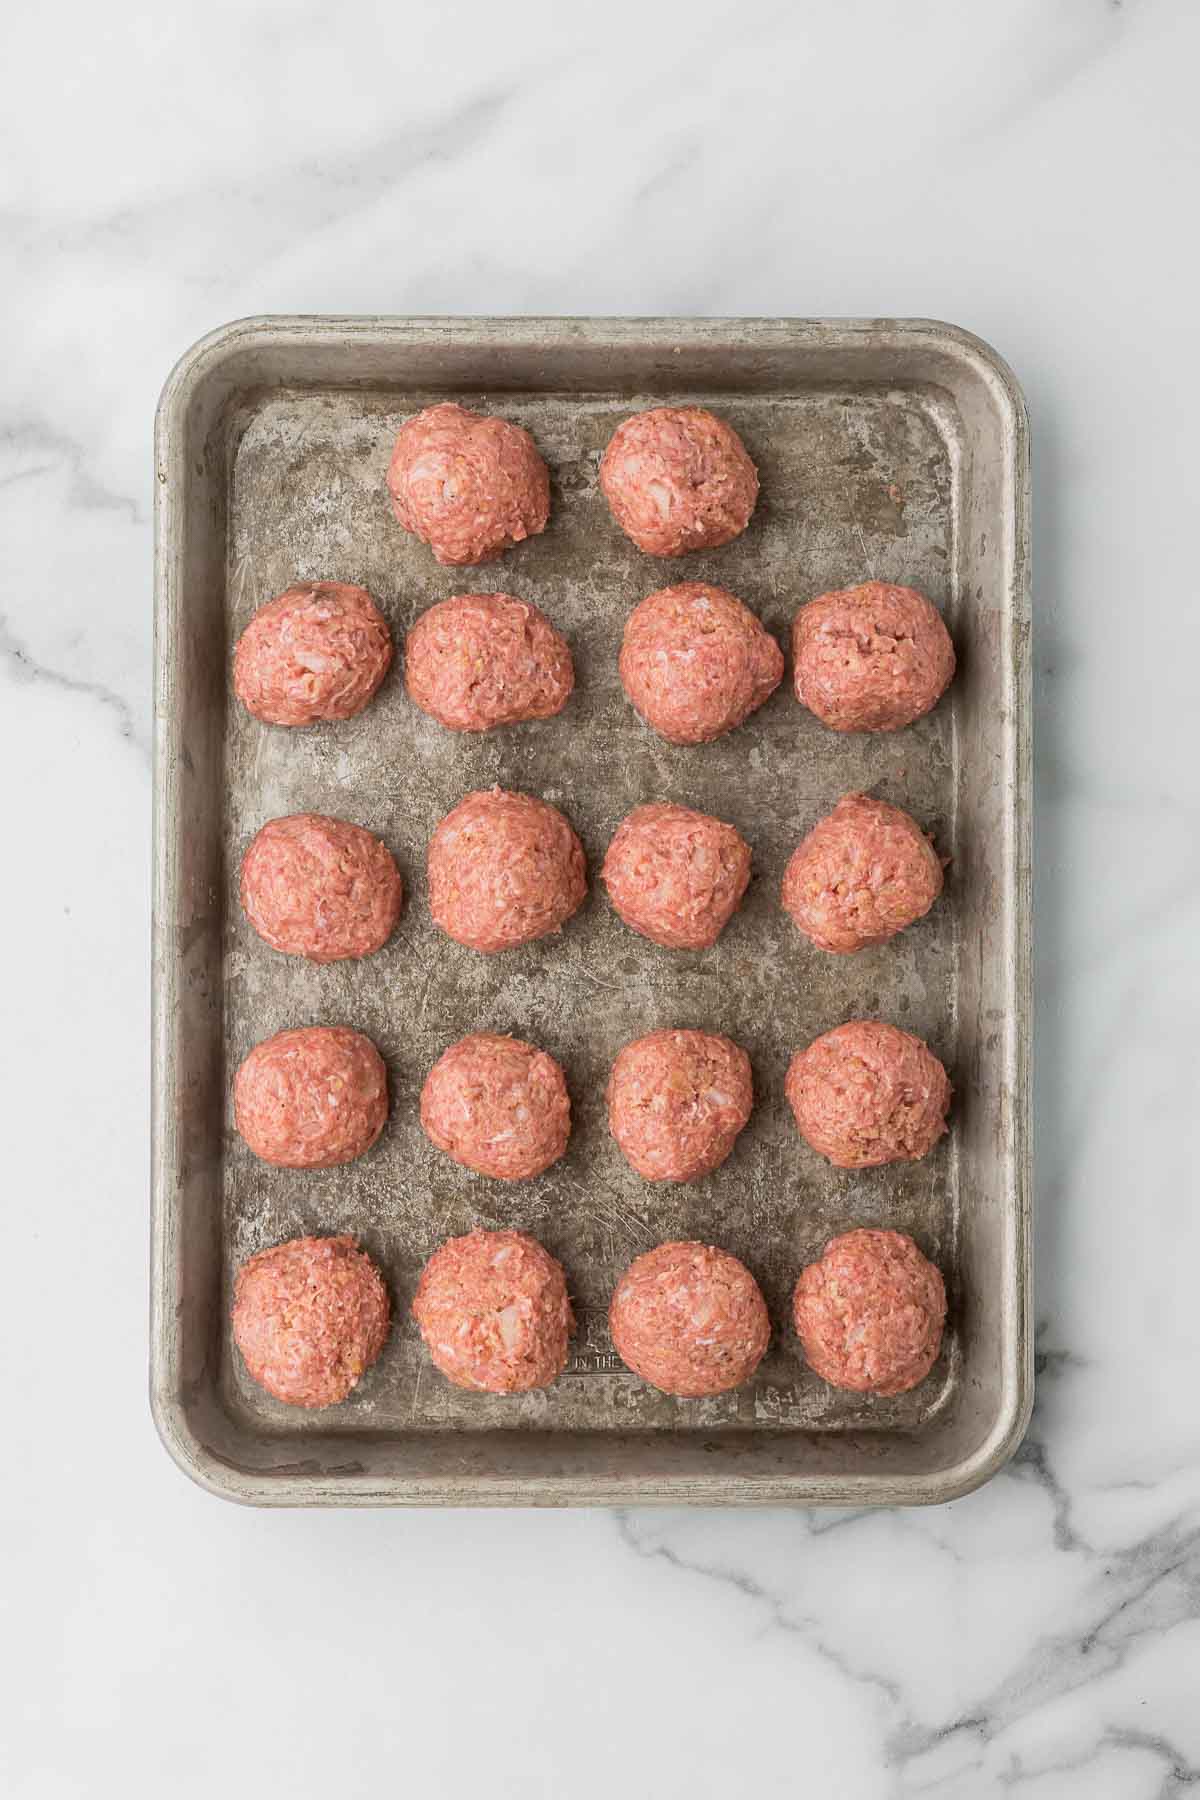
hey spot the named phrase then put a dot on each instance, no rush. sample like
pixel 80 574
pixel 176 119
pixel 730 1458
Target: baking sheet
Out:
pixel 859 478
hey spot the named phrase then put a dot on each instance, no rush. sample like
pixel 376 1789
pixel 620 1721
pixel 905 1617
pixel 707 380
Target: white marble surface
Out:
pixel 1028 170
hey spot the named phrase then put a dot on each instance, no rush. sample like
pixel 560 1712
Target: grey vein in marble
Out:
pixel 37 437
pixel 22 666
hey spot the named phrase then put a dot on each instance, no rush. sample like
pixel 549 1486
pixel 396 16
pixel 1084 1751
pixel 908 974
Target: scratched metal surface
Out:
pixel 855 482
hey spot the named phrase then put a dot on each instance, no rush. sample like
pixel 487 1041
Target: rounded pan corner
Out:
pixel 204 359
pixel 209 360
pixel 999 1447
pixel 193 1458
pixel 982 358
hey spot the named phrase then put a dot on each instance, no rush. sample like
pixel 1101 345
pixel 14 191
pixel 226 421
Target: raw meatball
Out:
pixel 478 660
pixel 867 1093
pixel 690 1320
pixel 675 875
pixel 862 874
pixel 504 869
pixel 871 658
pixel 320 888
pixel 311 1098
pixel 870 1313
pixel 309 1317
pixel 317 652
pixel 467 485
pixel 677 478
pixel 676 1102
pixel 497 1105
pixel 696 662
pixel 494 1312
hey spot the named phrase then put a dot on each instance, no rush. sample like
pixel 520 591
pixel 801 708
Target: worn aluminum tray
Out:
pixel 897 449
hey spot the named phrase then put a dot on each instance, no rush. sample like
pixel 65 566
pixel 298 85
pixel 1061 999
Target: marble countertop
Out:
pixel 1028 171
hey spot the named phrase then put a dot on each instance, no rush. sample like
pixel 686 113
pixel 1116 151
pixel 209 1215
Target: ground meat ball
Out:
pixel 319 651
pixel 677 478
pixel 675 875
pixel 467 485
pixel 862 874
pixel 320 888
pixel 494 1313
pixel 695 662
pixel 690 1320
pixel 867 1093
pixel 497 1105
pixel 676 1102
pixel 309 1317
pixel 870 1314
pixel 871 658
pixel 504 869
pixel 479 660
pixel 311 1098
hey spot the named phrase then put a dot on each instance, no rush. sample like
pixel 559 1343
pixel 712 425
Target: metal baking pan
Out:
pixel 888 448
